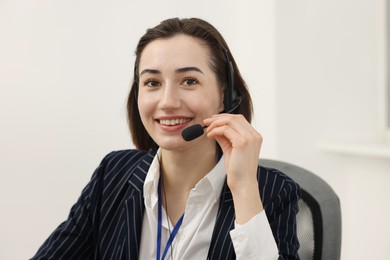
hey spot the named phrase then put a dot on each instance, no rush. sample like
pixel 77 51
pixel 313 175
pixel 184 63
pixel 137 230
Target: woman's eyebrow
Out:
pixel 151 71
pixel 186 69
pixel 179 70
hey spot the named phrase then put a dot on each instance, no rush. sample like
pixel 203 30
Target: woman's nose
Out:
pixel 170 97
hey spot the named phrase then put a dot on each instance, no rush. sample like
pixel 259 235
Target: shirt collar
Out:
pixel 151 181
pixel 216 178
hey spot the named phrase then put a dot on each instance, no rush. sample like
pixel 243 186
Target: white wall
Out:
pixel 65 71
pixel 330 72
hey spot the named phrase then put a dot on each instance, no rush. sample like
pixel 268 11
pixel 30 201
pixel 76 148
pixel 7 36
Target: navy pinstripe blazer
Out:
pixel 106 221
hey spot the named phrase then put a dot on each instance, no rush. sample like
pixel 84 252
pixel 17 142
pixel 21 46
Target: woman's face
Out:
pixel 177 88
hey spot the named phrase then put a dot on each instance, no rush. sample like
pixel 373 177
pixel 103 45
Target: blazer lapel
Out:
pixel 135 206
pixel 221 246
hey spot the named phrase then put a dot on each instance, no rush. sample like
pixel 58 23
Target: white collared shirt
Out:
pixel 253 240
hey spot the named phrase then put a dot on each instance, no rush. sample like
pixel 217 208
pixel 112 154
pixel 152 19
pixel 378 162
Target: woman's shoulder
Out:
pixel 128 156
pixel 274 183
pixel 119 165
pixel 267 172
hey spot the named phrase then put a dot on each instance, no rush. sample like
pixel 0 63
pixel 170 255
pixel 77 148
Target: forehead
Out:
pixel 177 51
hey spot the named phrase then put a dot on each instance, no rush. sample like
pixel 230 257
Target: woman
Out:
pixel 200 198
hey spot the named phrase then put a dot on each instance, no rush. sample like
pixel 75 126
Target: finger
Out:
pixel 234 137
pixel 219 120
pixel 237 122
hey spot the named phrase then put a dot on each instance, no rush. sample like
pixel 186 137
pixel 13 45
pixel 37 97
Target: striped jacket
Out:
pixel 106 221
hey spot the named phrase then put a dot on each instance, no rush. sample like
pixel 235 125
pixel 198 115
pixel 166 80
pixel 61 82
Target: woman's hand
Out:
pixel 241 145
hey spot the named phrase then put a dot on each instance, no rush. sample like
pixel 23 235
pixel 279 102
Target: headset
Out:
pixel 231 99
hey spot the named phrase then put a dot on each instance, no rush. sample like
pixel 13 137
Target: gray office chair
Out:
pixel 319 216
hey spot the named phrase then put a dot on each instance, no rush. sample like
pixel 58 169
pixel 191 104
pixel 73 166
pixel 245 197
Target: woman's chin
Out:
pixel 171 143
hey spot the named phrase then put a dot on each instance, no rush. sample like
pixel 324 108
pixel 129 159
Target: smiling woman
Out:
pixel 201 199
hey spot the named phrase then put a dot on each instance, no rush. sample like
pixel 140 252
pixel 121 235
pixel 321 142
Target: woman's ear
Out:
pixel 221 103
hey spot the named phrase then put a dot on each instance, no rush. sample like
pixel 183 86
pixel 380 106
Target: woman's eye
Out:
pixel 190 82
pixel 151 83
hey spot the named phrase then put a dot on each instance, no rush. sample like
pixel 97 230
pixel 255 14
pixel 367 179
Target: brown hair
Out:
pixel 199 29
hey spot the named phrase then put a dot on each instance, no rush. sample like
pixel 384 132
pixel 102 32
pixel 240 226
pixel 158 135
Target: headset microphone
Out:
pixel 192 132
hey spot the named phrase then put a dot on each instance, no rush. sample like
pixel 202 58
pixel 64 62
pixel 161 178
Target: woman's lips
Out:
pixel 173 124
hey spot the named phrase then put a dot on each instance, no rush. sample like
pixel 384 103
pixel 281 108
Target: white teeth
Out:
pixel 174 121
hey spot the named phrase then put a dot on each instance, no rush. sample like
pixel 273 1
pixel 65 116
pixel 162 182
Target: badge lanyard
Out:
pixel 159 228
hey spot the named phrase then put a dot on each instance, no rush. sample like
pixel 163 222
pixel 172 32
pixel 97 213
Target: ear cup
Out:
pixel 230 99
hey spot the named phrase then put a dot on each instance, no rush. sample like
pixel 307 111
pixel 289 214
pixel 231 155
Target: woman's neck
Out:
pixel 182 170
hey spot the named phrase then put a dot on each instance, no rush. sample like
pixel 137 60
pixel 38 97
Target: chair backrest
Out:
pixel 319 216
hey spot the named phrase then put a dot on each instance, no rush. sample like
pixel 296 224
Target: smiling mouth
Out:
pixel 173 122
